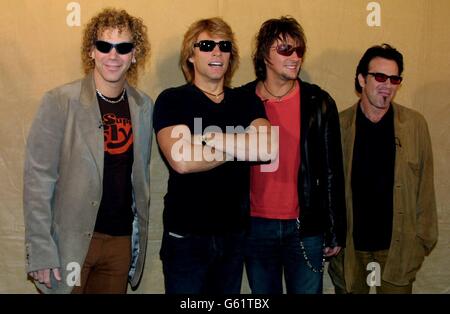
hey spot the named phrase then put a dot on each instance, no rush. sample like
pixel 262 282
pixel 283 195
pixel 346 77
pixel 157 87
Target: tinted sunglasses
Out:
pixel 381 77
pixel 121 48
pixel 287 50
pixel 209 45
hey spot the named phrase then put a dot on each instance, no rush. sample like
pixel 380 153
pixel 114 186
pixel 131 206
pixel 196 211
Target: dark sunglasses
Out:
pixel 381 77
pixel 288 50
pixel 209 45
pixel 121 48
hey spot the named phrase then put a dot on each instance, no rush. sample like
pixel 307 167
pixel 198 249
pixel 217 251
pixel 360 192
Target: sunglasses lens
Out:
pixel 288 50
pixel 124 48
pixel 396 80
pixel 285 50
pixel 380 77
pixel 225 46
pixel 103 46
pixel 206 45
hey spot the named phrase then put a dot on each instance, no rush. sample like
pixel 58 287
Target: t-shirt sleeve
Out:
pixel 168 110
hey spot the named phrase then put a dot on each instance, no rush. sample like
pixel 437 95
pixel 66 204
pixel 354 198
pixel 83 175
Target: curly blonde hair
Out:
pixel 215 26
pixel 121 20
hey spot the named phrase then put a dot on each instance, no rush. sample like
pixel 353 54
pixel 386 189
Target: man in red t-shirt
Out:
pixel 297 202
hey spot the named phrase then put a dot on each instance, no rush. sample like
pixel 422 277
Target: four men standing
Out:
pixel 86 184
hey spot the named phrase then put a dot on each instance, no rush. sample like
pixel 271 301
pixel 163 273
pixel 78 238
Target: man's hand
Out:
pixel 331 251
pixel 43 276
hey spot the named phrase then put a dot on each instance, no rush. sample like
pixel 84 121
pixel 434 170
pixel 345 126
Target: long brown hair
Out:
pixel 270 31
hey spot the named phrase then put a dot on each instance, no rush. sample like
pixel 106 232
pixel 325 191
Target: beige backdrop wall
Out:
pixel 40 49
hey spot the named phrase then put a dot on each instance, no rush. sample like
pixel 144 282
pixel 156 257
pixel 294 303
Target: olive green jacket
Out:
pixel 414 230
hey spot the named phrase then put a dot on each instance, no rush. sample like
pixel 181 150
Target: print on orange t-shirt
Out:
pixel 118 134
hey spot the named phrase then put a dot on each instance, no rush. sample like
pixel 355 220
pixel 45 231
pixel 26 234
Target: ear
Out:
pixel 133 58
pixel 92 53
pixel 191 60
pixel 361 80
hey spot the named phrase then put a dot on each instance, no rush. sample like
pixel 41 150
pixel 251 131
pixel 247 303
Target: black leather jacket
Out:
pixel 321 180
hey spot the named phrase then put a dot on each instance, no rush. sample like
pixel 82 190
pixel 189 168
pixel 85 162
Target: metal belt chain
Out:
pixel 305 256
pixel 308 261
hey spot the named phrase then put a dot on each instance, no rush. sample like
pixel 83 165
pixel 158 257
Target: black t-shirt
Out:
pixel 373 182
pixel 214 201
pixel 115 216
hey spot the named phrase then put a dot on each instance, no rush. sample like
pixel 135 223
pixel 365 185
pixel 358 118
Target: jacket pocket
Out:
pixel 414 167
pixel 416 258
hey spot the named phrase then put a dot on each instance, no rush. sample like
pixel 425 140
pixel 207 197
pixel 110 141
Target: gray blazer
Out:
pixel 63 178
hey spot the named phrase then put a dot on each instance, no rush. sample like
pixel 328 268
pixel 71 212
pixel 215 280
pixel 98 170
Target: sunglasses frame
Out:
pixel 209 45
pixel 381 78
pixel 118 46
pixel 287 50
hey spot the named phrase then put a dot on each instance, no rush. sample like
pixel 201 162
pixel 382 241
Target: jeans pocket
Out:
pixel 176 235
pixel 173 245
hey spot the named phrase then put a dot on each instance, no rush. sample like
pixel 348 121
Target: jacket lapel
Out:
pixel 90 122
pixel 400 159
pixel 348 140
pixel 399 133
pixel 135 102
pixel 348 133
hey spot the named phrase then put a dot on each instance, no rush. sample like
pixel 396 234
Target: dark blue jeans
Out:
pixel 194 264
pixel 273 247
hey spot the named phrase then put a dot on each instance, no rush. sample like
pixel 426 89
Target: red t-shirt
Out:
pixel 274 194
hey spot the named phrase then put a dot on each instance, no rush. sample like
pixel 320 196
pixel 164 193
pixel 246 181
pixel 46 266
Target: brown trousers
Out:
pixel 105 269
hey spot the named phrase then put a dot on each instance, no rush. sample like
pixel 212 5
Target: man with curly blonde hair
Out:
pixel 86 177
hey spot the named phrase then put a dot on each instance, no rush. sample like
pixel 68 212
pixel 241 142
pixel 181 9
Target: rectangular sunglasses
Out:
pixel 381 77
pixel 121 48
pixel 209 45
